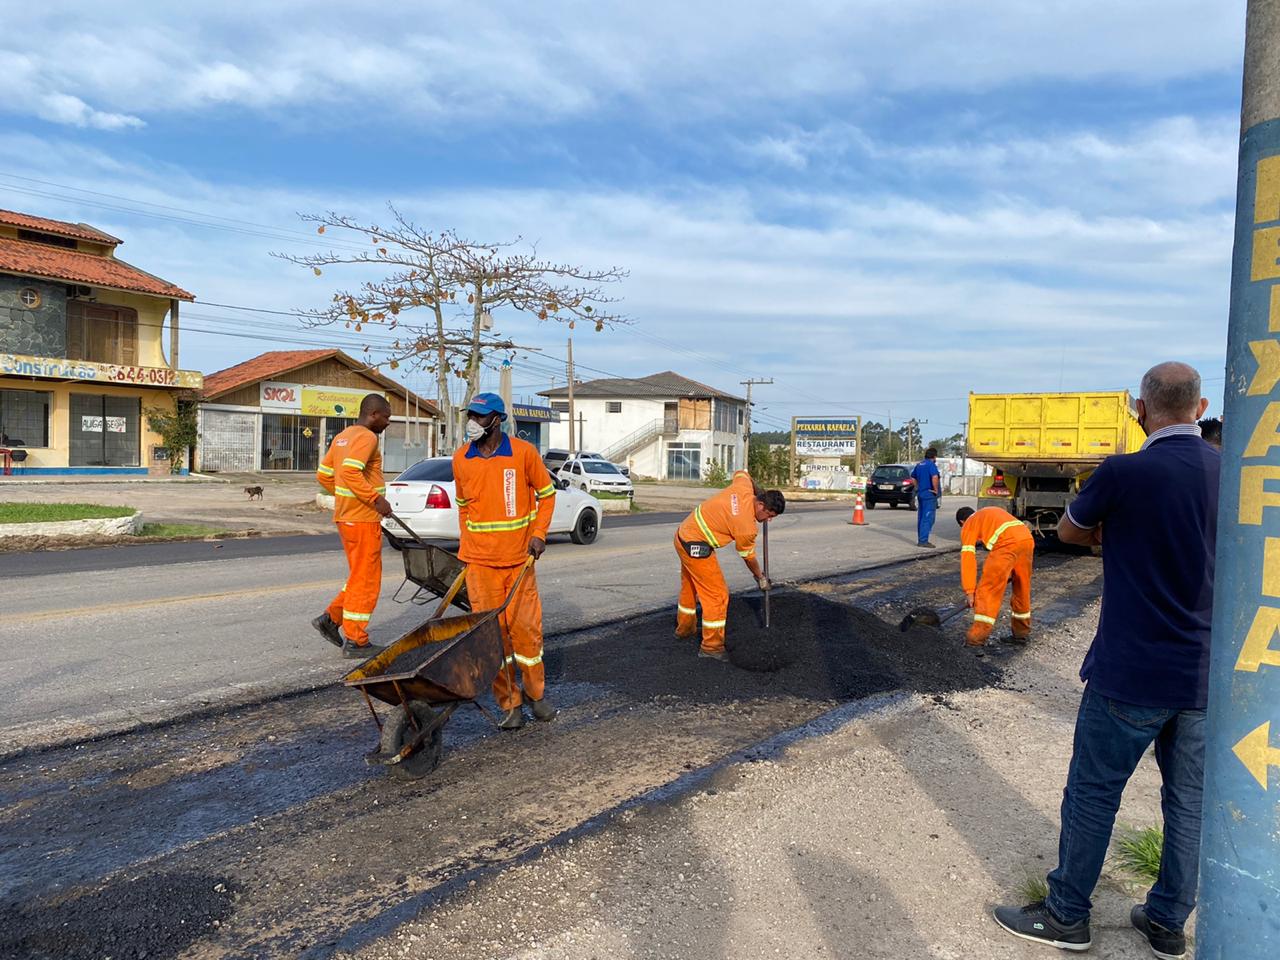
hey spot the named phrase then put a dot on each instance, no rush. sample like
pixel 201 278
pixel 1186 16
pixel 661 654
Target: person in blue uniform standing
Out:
pixel 928 491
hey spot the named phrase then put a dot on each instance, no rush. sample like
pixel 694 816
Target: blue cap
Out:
pixel 486 403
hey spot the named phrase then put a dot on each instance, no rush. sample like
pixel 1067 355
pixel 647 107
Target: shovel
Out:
pixel 765 547
pixel 929 617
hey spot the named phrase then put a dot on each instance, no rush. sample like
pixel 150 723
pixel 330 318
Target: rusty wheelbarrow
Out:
pixel 426 675
pixel 433 571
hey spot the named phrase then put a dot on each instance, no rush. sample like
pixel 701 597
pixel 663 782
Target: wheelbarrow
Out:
pixel 426 675
pixel 433 571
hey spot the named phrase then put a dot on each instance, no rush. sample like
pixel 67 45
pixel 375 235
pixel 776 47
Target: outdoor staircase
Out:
pixel 636 439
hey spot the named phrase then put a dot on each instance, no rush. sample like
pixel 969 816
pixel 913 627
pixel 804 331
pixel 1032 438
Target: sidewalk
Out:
pixel 889 837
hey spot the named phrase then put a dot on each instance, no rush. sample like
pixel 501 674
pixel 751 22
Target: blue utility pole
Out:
pixel 1239 913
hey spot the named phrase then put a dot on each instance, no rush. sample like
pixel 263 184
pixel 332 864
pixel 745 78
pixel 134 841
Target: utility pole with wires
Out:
pixel 749 383
pixel 571 407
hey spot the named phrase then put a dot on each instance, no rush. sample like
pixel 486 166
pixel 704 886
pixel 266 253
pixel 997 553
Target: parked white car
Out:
pixel 425 498
pixel 595 476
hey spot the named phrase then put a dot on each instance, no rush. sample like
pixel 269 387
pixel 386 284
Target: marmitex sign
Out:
pixel 826 436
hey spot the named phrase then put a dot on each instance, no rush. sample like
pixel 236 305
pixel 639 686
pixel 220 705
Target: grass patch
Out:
pixel 55 512
pixel 173 530
pixel 1138 852
pixel 1032 887
pixel 609 495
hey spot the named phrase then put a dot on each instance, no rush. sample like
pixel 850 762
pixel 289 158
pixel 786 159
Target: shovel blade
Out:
pixel 922 616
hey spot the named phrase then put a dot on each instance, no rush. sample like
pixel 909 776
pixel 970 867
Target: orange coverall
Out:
pixel 1010 550
pixel 352 471
pixel 504 501
pixel 729 516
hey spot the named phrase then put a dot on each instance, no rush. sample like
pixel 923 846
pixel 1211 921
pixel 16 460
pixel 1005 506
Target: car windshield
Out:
pixel 890 473
pixel 435 470
pixel 600 466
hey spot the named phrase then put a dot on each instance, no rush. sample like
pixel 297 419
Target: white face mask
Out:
pixel 475 431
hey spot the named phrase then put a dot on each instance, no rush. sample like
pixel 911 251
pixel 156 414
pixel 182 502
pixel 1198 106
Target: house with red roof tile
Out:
pixel 88 343
pixel 280 410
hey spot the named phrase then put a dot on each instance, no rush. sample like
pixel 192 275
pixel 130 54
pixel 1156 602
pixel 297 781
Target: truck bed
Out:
pixel 1052 428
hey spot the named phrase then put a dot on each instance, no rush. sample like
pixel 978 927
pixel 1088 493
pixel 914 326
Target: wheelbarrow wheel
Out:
pixel 398 731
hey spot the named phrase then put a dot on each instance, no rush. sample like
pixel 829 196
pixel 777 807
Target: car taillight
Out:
pixel 438 499
pixel 908 483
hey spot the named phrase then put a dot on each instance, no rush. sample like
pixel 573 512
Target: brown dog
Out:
pixel 253 492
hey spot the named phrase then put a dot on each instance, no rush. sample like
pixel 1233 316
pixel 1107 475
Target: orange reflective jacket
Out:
pixel 352 471
pixel 729 516
pixel 989 526
pixel 504 501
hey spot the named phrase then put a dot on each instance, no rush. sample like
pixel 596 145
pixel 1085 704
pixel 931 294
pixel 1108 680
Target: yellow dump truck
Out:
pixel 1043 446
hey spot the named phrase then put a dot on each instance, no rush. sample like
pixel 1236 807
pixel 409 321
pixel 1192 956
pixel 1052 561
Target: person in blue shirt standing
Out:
pixel 1155 513
pixel 928 493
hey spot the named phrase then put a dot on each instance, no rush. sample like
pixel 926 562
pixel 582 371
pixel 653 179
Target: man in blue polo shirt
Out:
pixel 928 490
pixel 1147 670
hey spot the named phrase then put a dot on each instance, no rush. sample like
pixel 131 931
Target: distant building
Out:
pixel 280 411
pixel 664 425
pixel 83 340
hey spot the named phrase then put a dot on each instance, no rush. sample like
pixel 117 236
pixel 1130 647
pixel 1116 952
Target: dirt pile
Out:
pixel 816 649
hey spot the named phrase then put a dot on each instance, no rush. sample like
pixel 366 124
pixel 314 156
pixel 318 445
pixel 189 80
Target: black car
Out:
pixel 891 483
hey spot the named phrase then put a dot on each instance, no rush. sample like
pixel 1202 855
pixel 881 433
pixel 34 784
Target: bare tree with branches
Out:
pixel 460 284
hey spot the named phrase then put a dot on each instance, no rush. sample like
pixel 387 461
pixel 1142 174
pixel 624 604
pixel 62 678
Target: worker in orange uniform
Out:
pixel 352 471
pixel 728 517
pixel 1010 550
pixel 505 498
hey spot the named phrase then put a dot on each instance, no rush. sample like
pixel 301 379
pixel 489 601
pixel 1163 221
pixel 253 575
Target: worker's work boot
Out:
pixel 355 651
pixel 513 719
pixel 542 709
pixel 327 628
pixel 1017 639
pixel 713 654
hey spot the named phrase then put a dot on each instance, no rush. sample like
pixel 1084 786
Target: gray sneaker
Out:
pixel 1034 922
pixel 931 546
pixel 1165 943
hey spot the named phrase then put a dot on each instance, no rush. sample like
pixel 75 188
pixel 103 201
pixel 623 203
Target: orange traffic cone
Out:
pixel 859 517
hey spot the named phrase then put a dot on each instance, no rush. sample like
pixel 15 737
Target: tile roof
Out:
pixel 61 228
pixel 656 385
pixel 280 363
pixel 55 263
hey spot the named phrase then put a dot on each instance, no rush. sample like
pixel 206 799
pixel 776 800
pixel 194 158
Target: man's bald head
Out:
pixel 1170 393
pixel 375 412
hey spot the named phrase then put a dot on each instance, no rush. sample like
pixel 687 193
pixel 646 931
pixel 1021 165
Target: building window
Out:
pixel 613 406
pixel 24 418
pixel 726 419
pixel 30 297
pixel 561 405
pixel 684 461
pixel 101 334
pixel 290 442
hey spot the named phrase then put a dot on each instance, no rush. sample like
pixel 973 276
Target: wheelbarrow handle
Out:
pixel 458 581
pixel 422 543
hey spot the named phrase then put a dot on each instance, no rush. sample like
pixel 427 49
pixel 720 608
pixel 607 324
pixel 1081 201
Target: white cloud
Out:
pixel 493 62
pixel 64 108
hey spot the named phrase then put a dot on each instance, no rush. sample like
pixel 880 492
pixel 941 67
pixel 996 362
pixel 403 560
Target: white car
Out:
pixel 425 498
pixel 595 476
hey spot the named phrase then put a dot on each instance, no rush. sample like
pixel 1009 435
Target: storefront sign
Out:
pixel 523 411
pixel 826 437
pixel 333 401
pixel 16 365
pixel 280 396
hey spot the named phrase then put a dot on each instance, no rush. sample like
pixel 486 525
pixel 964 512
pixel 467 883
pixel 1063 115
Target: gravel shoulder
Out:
pixel 890 836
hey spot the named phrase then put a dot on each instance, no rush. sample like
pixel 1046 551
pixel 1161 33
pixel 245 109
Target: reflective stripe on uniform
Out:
pixel 979 618
pixel 968 549
pixel 344 492
pixel 380 489
pixel 501 526
pixel 1001 529
pixel 747 554
pixel 706 531
pixel 353 462
pixel 528 661
pixel 686 610
pixel 714 624
pixel 548 491
pixel 327 471
pixel 460 501
pixel 362 617
pixel 1020 616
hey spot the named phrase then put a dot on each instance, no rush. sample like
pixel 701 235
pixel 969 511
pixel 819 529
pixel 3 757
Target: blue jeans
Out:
pixel 926 513
pixel 1111 738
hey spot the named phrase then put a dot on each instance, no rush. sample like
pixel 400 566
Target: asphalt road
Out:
pixel 104 640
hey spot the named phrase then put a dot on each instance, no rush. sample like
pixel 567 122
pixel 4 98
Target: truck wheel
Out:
pixel 587 528
pixel 397 731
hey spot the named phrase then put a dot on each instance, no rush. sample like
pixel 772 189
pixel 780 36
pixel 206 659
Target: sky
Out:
pixel 880 205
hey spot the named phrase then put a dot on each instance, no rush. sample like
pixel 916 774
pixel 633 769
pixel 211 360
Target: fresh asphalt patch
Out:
pixel 261 832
